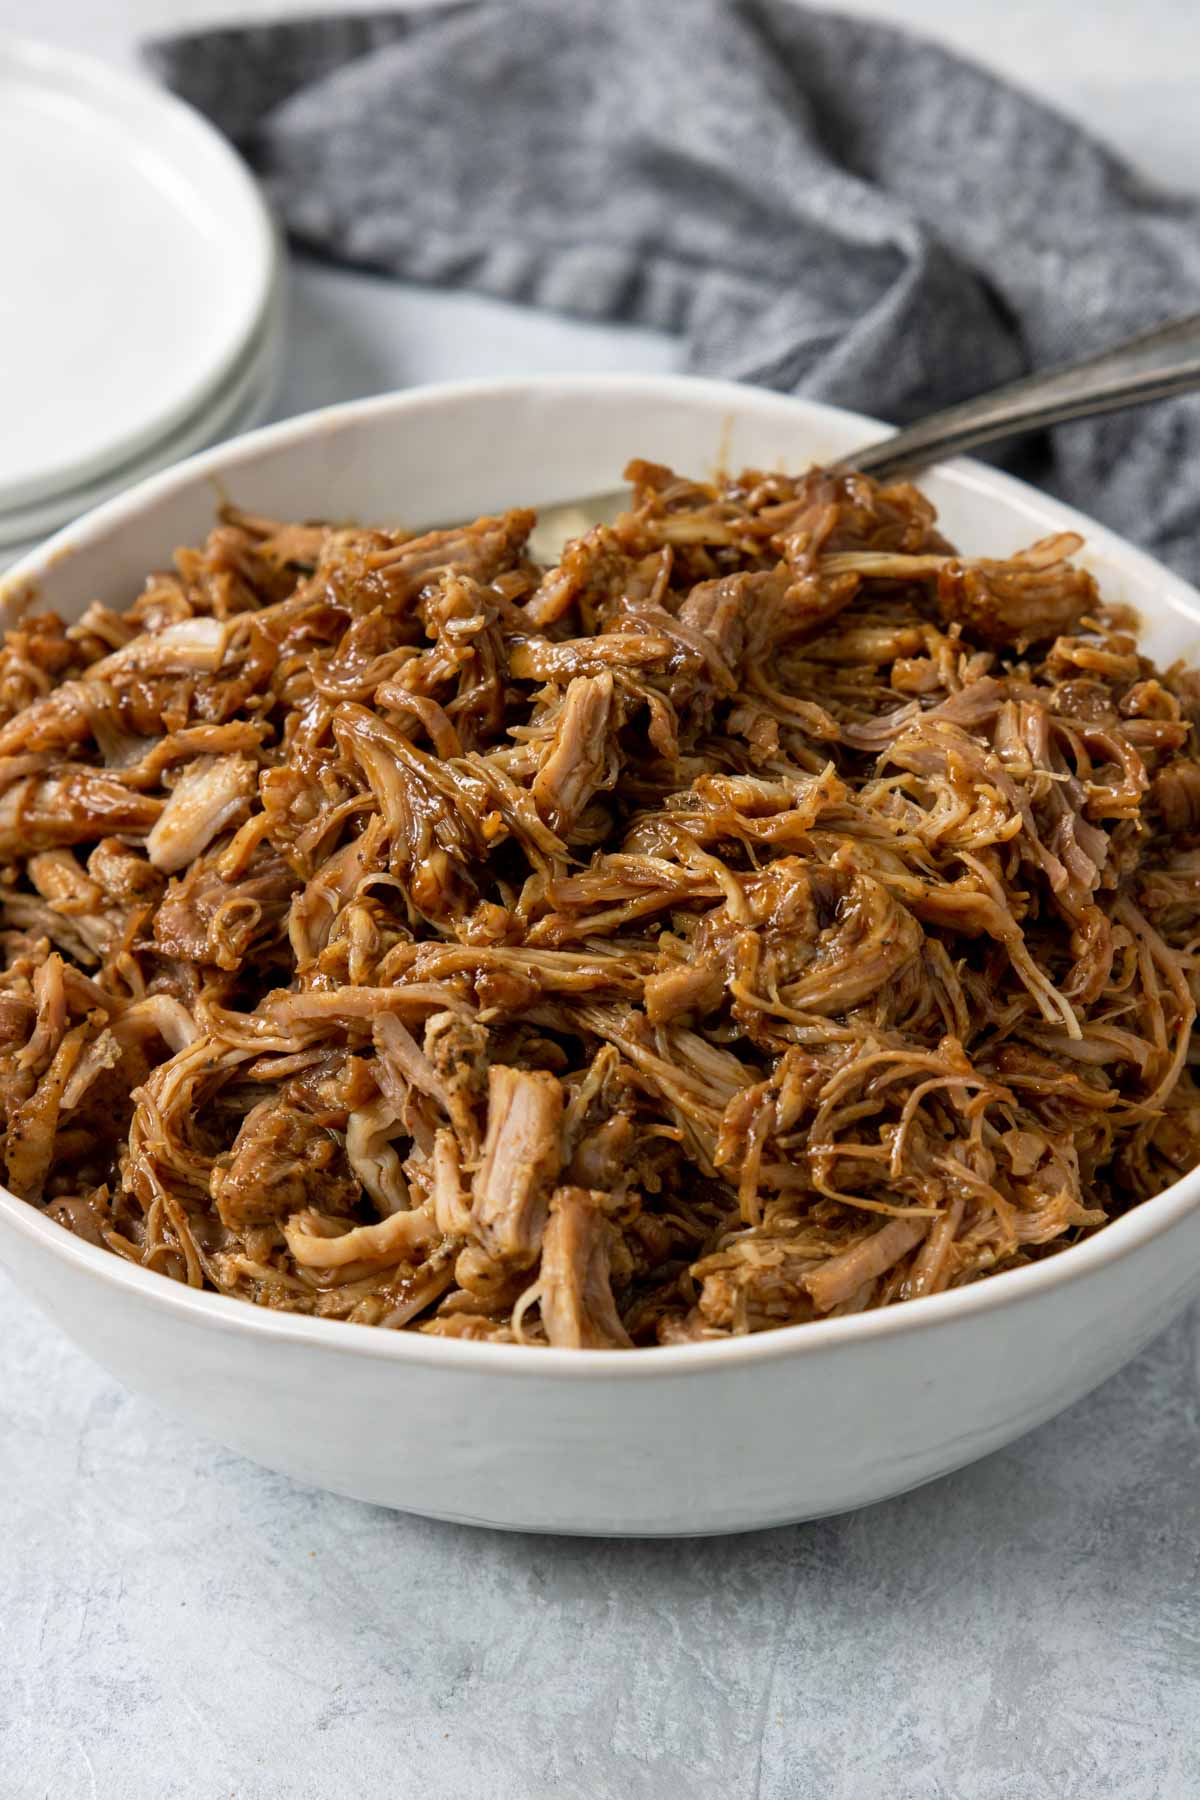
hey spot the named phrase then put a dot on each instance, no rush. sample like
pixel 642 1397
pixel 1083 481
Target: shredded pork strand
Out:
pixel 764 915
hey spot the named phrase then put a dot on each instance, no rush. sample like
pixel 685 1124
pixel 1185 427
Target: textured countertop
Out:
pixel 177 1622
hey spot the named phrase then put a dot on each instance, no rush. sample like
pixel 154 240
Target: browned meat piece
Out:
pixel 836 1280
pixel 58 723
pixel 72 807
pixel 457 1050
pixel 574 1287
pixel 522 1154
pixel 823 943
pixel 683 990
pixel 69 892
pixel 605 1158
pixel 1170 893
pixel 206 919
pixel 1026 600
pixel 482 550
pixel 718 609
pixel 579 758
pixel 282 1161
pixel 756 1283
pixel 1175 796
pixel 275 542
pixel 124 874
pixel 16 1021
pixel 540 659
pixel 31 1127
pixel 36 653
pixel 210 795
pixel 593 569
pixel 432 813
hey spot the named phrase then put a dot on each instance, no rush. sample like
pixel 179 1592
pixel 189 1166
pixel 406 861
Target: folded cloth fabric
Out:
pixel 818 203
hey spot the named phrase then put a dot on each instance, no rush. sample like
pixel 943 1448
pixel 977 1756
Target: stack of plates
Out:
pixel 140 306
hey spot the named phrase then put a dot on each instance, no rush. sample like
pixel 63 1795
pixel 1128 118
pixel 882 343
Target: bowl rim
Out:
pixel 1139 1226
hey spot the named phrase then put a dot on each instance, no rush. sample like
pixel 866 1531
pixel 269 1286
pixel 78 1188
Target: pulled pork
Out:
pixel 763 915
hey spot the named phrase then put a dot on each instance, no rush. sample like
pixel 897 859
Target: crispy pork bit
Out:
pixel 765 914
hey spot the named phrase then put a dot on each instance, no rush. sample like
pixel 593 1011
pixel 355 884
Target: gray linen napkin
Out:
pixel 818 203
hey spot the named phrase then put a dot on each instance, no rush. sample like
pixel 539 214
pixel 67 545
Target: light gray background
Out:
pixel 177 1622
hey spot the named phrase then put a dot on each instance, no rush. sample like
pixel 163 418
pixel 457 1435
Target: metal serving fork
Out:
pixel 1152 366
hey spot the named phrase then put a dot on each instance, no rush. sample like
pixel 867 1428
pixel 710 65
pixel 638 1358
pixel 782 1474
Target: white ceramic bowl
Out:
pixel 704 1438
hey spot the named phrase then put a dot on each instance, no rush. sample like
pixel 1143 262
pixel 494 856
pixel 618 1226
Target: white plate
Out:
pixel 241 404
pixel 254 408
pixel 139 258
pixel 683 1438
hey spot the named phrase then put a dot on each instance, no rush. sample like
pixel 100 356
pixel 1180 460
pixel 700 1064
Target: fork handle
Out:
pixel 1152 366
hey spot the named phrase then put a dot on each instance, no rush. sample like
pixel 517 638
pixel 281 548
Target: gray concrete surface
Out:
pixel 177 1624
